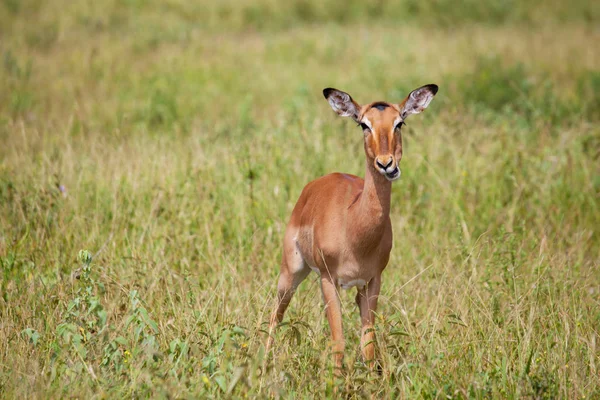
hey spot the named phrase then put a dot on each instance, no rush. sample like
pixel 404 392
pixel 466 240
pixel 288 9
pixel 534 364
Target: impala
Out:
pixel 340 227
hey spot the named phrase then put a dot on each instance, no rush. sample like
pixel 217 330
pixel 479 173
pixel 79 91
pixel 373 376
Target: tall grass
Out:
pixel 171 139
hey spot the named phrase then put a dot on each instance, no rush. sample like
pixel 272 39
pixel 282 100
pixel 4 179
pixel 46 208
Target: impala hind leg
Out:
pixel 334 317
pixel 289 279
pixel 366 298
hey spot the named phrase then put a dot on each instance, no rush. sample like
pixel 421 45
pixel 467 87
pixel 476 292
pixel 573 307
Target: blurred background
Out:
pixel 172 138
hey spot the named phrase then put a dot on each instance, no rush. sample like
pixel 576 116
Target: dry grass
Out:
pixel 174 152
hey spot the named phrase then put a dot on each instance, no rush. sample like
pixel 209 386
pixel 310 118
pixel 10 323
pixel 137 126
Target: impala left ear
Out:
pixel 418 100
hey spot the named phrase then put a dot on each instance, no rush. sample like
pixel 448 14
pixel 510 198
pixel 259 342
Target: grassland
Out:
pixel 171 140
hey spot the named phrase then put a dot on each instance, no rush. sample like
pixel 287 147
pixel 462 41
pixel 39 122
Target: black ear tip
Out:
pixel 433 87
pixel 327 92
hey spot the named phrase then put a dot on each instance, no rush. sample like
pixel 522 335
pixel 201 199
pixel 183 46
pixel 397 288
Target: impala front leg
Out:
pixel 334 316
pixel 366 298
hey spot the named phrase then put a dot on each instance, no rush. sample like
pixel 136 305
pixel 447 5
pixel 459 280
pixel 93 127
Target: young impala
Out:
pixel 340 227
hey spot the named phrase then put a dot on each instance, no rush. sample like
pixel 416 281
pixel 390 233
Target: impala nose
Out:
pixel 384 162
pixel 387 167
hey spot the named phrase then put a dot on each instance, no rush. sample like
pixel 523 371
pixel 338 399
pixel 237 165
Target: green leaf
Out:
pixel 102 316
pixel 239 331
pixel 32 334
pixel 121 340
pixel 153 325
pixel 398 333
pixel 237 375
pixel 220 379
pixel 84 257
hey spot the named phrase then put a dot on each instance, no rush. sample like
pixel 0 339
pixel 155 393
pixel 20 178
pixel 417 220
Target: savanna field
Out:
pixel 169 141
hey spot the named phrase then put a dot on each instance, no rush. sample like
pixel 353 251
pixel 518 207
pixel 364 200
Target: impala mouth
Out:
pixel 393 175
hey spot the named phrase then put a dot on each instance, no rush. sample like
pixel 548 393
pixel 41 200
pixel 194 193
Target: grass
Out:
pixel 170 142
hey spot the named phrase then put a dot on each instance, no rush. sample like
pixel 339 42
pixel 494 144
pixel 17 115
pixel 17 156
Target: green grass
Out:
pixel 171 140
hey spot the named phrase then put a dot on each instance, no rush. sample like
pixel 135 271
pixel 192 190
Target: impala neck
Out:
pixel 375 198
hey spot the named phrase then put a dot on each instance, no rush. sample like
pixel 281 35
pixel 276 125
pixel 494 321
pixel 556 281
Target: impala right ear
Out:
pixel 342 103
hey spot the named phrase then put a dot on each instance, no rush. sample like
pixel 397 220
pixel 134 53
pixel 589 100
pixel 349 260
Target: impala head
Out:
pixel 381 123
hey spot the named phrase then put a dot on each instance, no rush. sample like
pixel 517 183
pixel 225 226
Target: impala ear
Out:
pixel 418 100
pixel 342 103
